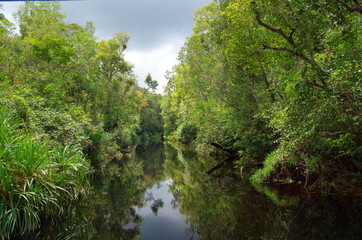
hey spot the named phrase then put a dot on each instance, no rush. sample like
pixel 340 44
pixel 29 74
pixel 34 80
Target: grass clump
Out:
pixel 271 164
pixel 35 180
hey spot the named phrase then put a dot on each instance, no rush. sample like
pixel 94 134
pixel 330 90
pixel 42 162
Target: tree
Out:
pixel 266 79
pixel 151 84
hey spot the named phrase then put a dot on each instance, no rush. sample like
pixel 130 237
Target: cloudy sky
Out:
pixel 158 28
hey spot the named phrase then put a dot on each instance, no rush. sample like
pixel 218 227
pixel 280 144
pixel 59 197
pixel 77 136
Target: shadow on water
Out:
pixel 163 193
pixel 104 212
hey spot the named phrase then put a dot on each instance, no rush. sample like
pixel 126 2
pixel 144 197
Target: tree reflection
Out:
pixel 223 206
pixel 152 158
pixel 107 212
pixel 230 208
pixel 156 204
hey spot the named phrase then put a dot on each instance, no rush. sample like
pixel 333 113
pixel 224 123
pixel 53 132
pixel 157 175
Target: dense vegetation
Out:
pixel 228 207
pixel 35 179
pixel 276 84
pixel 279 82
pixel 67 102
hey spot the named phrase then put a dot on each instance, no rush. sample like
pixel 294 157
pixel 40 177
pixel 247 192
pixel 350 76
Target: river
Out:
pixel 163 193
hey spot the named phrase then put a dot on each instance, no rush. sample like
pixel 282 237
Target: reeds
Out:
pixel 35 180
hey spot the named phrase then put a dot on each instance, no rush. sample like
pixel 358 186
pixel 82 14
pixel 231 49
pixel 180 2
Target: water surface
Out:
pixel 161 217
pixel 164 193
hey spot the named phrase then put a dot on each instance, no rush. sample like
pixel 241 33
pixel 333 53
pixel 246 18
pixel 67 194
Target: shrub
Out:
pixel 187 132
pixel 35 179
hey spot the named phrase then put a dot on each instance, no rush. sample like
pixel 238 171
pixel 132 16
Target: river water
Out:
pixel 163 193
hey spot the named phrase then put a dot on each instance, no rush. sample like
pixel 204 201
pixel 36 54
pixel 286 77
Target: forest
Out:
pixel 274 87
pixel 278 84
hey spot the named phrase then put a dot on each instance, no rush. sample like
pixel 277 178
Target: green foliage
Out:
pixel 271 77
pixel 62 82
pixel 187 132
pixel 71 92
pixel 272 162
pixel 151 84
pixel 39 18
pixel 65 127
pixel 151 122
pixel 51 48
pixel 35 179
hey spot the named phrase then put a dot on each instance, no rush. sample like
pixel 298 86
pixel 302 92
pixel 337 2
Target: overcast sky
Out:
pixel 158 28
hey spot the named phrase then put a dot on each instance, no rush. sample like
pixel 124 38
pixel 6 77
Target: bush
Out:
pixel 187 132
pixel 35 179
pixel 64 127
pixel 103 148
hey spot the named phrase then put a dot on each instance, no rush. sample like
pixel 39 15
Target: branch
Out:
pixel 315 84
pixel 355 8
pixel 301 55
pixel 277 30
pixel 219 146
pixel 229 103
pixel 289 38
pixel 328 134
pixel 292 33
pixel 144 92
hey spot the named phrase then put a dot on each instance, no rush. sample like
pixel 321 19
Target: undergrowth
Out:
pixel 35 180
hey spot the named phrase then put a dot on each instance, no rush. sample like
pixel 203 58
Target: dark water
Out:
pixel 162 193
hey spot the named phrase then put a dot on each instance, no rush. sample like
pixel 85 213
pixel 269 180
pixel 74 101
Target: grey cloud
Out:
pixel 152 24
pixel 149 22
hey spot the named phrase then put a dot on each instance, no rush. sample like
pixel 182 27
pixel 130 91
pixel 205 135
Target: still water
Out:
pixel 163 193
pixel 161 217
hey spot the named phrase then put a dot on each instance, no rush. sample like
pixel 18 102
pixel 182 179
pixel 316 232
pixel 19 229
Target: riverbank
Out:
pixel 139 204
pixel 36 180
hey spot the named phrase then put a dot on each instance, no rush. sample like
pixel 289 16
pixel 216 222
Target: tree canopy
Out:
pixel 75 97
pixel 279 82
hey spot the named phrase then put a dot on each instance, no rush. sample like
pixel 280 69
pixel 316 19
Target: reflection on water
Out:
pixel 160 213
pixel 165 194
pixel 162 221
pixel 228 207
